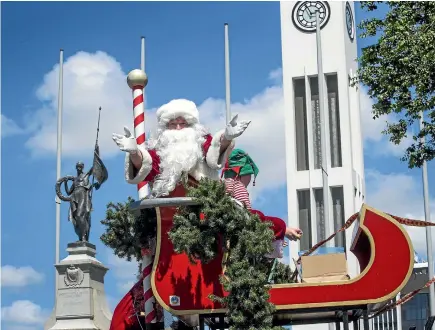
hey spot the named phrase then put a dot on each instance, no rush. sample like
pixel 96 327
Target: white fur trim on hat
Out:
pixel 178 108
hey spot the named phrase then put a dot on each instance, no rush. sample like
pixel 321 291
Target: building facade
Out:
pixel 344 151
pixel 413 313
pixel 344 145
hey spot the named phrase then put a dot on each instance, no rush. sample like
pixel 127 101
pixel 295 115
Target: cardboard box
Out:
pixel 324 268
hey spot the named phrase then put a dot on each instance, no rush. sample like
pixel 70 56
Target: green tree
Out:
pixel 399 71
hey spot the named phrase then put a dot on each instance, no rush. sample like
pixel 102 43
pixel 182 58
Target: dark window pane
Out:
pixel 301 125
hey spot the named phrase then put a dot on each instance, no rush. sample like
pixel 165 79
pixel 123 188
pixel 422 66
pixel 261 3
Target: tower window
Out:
pixel 301 125
pixel 320 214
pixel 338 213
pixel 304 213
pixel 315 113
pixel 334 120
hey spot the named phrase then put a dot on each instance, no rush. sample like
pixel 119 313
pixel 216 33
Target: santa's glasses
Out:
pixel 177 125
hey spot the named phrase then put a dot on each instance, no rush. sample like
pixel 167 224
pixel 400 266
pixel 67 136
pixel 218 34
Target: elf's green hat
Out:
pixel 240 163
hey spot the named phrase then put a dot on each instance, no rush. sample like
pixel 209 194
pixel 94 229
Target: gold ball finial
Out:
pixel 137 78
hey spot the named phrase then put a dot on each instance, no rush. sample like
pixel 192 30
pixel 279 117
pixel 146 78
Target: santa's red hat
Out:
pixel 177 108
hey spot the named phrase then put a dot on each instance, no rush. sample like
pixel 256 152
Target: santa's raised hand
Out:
pixel 235 129
pixel 125 142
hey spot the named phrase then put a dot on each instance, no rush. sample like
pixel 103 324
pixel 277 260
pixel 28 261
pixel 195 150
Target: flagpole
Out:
pixel 59 157
pixel 147 259
pixel 320 78
pixel 142 54
pixel 145 189
pixel 98 126
pixel 96 149
pixel 428 229
pixel 227 76
pixel 142 59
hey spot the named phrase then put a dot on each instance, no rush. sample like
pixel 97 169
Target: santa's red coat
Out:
pixel 125 317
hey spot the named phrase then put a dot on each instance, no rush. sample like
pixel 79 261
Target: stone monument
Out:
pixel 80 298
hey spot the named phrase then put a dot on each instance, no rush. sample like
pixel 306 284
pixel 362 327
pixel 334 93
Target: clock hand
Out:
pixel 311 13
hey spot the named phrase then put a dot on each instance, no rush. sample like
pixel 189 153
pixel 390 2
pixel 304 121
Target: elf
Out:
pixel 238 173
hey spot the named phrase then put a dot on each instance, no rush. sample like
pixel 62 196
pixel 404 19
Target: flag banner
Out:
pixel 99 170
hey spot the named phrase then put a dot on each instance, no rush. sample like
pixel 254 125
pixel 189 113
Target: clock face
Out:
pixel 349 22
pixel 304 15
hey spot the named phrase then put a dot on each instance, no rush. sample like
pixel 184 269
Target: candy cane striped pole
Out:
pixel 160 315
pixel 137 80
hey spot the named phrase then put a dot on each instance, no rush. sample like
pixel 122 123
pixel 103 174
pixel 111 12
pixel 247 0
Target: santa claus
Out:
pixel 182 146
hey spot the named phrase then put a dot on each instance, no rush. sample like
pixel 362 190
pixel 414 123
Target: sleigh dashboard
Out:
pixel 380 244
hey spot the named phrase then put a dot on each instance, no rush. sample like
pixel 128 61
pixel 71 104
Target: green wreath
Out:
pixel 249 239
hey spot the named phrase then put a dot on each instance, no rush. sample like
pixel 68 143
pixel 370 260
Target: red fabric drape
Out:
pixel 278 225
pixel 124 316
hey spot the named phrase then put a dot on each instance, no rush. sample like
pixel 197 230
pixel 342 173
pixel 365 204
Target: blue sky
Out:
pixel 185 58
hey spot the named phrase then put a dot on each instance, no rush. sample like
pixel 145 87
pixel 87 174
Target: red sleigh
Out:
pixel 380 244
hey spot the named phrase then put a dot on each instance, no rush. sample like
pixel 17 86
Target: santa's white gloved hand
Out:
pixel 126 142
pixel 235 129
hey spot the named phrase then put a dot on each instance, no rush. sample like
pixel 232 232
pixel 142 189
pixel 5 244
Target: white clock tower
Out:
pixel 344 151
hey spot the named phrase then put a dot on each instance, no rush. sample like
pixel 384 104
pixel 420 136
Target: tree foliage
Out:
pixel 200 232
pixel 399 71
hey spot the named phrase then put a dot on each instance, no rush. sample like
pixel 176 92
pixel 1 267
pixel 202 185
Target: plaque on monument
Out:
pixel 80 299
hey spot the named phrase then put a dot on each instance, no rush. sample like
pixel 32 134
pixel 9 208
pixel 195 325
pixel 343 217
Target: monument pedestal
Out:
pixel 80 298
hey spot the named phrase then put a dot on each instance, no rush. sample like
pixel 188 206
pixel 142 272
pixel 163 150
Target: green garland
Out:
pixel 128 232
pixel 282 274
pixel 246 267
pixel 249 240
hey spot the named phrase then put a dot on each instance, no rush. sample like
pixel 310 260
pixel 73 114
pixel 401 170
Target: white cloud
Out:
pixel 89 81
pixel 124 271
pixel 21 327
pixel 24 312
pixel 400 194
pixel 125 286
pixel 10 127
pixel 125 274
pixel 276 76
pixel 12 276
pixel 112 301
pixel 372 131
pixel 93 80
pixel 264 137
pixel 396 193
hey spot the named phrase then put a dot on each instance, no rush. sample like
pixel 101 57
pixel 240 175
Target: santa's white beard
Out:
pixel 179 152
